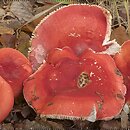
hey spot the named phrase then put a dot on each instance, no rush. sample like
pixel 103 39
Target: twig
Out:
pixel 116 9
pixel 40 14
pixel 126 4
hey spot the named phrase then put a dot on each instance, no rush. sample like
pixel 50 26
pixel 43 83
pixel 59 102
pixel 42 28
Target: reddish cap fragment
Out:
pixel 77 26
pixel 6 99
pixel 122 60
pixel 14 68
pixel 57 54
pixel 88 88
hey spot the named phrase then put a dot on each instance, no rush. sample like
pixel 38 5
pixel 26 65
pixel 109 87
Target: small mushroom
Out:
pixel 86 87
pixel 14 68
pixel 77 26
pixel 122 60
pixel 6 99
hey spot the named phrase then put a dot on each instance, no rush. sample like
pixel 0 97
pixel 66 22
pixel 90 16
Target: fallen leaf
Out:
pixel 39 2
pixel 2 12
pixel 65 1
pixel 129 28
pixel 23 43
pixel 22 10
pixel 8 40
pixel 110 125
pixel 42 8
pixel 32 125
pixel 56 126
pixel 32 23
pixel 82 124
pixel 119 34
pixel 124 120
pixel 9 16
pixel 6 30
pixel 25 111
pixel 12 23
pixel 7 126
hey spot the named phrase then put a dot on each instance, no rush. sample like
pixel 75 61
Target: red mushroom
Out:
pixel 87 87
pixel 122 60
pixel 55 55
pixel 6 99
pixel 77 26
pixel 14 68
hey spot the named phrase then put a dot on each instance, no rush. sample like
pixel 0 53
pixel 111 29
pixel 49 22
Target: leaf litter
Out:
pixel 17 22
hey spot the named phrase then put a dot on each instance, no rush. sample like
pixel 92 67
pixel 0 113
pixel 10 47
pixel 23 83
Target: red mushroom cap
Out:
pixel 88 88
pixel 122 60
pixel 55 55
pixel 6 99
pixel 14 68
pixel 77 26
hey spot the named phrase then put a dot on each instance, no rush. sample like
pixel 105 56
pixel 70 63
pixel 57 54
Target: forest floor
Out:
pixel 18 19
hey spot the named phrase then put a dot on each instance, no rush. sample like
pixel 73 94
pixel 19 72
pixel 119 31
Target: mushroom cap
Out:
pixel 77 26
pixel 56 54
pixel 122 60
pixel 14 68
pixel 86 88
pixel 6 99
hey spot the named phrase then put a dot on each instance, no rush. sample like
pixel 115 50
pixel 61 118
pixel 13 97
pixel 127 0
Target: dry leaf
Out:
pixel 22 10
pixel 9 16
pixel 81 124
pixel 23 43
pixel 120 35
pixel 110 125
pixel 13 23
pixel 6 30
pixel 124 119
pixel 7 126
pixel 32 23
pixel 32 125
pixel 56 126
pixel 8 40
pixel 2 12
pixel 129 28
pixel 40 1
pixel 42 8
pixel 26 110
